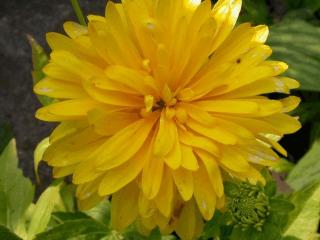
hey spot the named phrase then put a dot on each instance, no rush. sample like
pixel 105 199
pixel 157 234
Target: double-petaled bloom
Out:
pixel 159 101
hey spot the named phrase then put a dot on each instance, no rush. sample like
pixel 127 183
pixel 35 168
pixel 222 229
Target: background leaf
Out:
pixel 6 234
pixel 307 170
pixel 304 220
pixel 84 229
pixel 255 11
pixel 42 211
pixel 16 191
pixel 5 135
pixel 297 43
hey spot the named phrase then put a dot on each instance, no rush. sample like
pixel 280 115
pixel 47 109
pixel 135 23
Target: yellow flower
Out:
pixel 159 101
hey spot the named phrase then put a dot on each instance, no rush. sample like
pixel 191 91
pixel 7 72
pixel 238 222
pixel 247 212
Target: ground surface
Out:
pixel 17 101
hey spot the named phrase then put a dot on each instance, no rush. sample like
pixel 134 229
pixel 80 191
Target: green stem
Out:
pixel 78 12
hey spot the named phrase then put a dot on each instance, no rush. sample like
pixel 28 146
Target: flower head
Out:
pixel 159 101
pixel 249 206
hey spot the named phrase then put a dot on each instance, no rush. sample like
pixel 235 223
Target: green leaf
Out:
pixel 5 135
pixel 270 188
pixel 39 60
pixel 67 193
pixel 38 154
pixel 101 212
pixel 215 227
pixel 270 231
pixel 307 170
pixel 6 234
pixel 297 43
pixel 283 166
pixel 61 217
pixel 16 191
pixel 155 234
pixel 310 4
pixel 238 234
pixel 290 238
pixel 281 206
pixel 84 229
pixel 304 220
pixel 42 211
pixel 255 11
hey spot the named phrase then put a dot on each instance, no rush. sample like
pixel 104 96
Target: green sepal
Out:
pixel 39 60
pixel 231 189
pixel 270 188
pixel 218 226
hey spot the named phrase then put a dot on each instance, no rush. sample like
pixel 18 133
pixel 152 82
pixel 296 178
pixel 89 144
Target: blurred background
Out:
pixel 294 37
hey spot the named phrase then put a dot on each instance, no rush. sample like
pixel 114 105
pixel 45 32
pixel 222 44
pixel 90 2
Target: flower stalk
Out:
pixel 78 12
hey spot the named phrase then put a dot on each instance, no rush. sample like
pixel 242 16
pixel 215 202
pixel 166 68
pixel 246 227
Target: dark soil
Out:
pixel 17 101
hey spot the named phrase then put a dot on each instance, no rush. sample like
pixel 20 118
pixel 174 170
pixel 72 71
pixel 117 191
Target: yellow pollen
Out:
pixel 148 102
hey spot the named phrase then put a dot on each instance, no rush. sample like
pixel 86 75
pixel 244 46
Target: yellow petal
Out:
pixel 109 123
pixel 204 143
pixel 85 172
pixel 166 136
pixel 204 193
pixel 124 207
pixel 66 128
pixel 284 123
pixel 118 177
pixel 134 79
pixel 90 202
pixel 290 103
pixel 60 172
pixel 164 199
pixel 215 133
pixel 233 160
pixel 225 13
pixel 118 149
pixel 199 115
pixel 228 106
pixel 152 177
pixel 88 189
pixel 174 157
pixel 61 156
pixel 256 126
pixel 54 71
pixel 189 223
pixel 213 171
pixel 112 97
pixel 74 29
pixel 184 181
pixel 66 110
pixel 189 160
pixel 59 89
